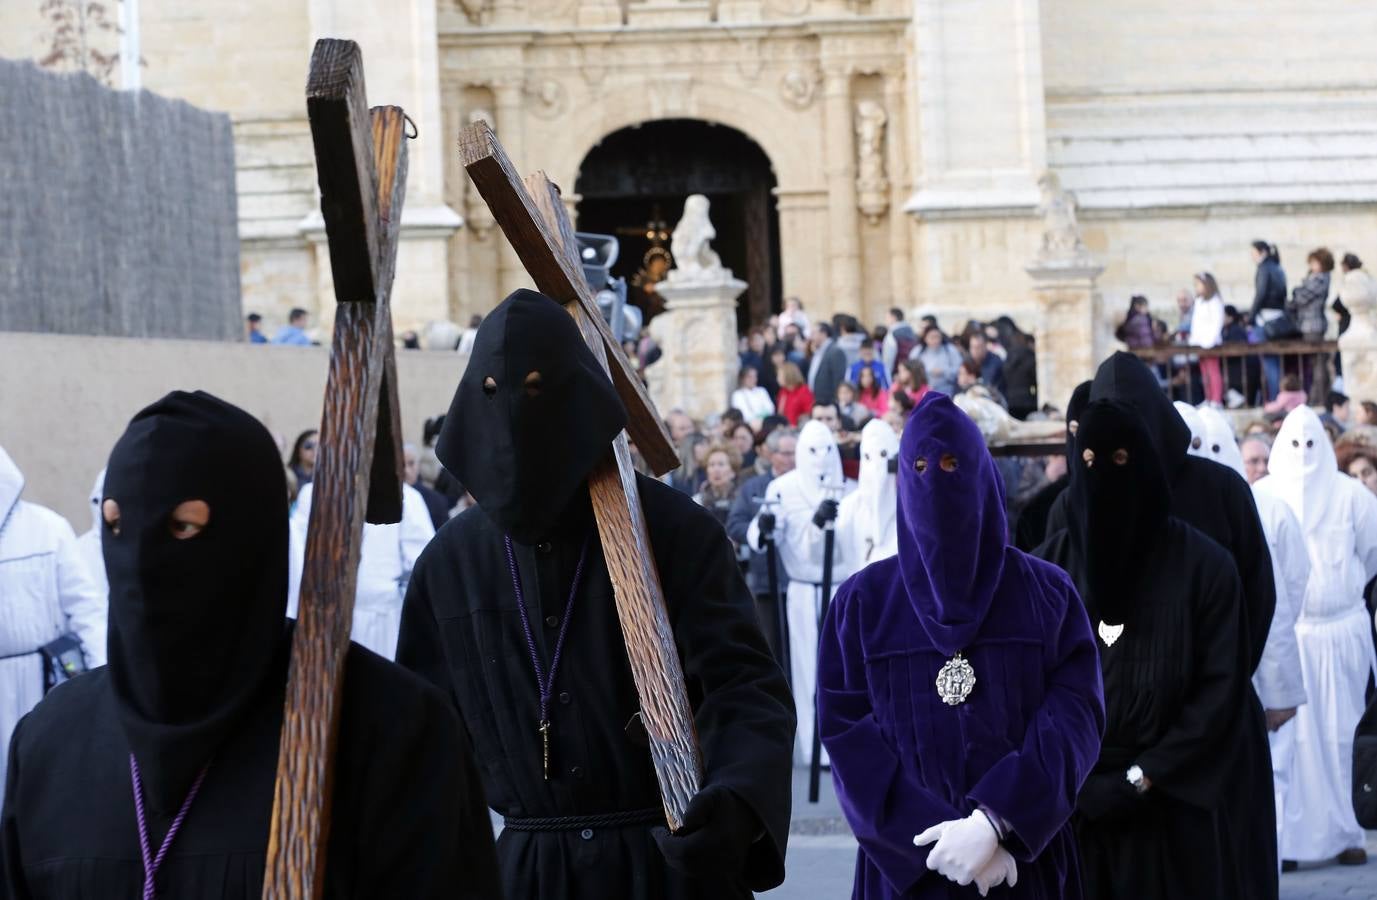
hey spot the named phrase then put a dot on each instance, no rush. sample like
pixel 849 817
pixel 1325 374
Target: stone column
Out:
pixel 1358 346
pixel 843 249
pixel 510 130
pixel 1071 339
pixel 401 65
pixel 697 335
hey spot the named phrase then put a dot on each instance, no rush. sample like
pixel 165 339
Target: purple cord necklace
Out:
pixel 546 685
pixel 151 863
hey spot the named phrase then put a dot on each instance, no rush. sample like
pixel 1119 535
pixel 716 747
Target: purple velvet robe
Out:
pixel 1029 733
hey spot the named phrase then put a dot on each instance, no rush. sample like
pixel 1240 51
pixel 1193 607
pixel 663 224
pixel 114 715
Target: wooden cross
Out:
pixel 361 166
pixel 534 221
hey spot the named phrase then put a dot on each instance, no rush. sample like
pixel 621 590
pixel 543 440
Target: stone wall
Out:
pixel 67 399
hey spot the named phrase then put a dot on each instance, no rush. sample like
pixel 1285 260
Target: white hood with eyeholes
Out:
pixel 867 518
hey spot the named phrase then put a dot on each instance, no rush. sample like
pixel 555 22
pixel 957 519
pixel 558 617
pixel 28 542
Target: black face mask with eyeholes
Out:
pixel 195 547
pixel 533 414
pixel 1118 505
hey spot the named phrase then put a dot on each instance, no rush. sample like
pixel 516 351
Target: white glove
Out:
pixel 963 848
pixel 999 870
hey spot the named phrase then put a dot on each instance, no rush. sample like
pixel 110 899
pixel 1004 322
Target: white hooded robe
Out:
pixel 866 523
pixel 88 545
pixel 386 559
pixel 793 498
pixel 46 592
pixel 1338 517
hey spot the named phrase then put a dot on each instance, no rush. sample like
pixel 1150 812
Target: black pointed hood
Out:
pixel 1117 506
pixel 196 624
pixel 534 413
pixel 1127 378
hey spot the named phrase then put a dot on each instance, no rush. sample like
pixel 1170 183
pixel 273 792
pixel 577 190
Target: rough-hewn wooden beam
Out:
pixel 361 161
pixel 560 277
pixel 650 648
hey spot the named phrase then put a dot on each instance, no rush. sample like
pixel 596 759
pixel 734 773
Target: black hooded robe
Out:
pixel 1173 684
pixel 1217 501
pixel 1174 676
pixel 461 629
pixel 533 414
pixel 199 650
pixel 405 820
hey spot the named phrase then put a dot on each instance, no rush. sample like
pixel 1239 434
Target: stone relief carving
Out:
pixel 548 97
pixel 872 186
pixel 799 87
pixel 787 7
pixel 752 59
pixel 695 261
pixel 670 95
pixel 476 11
pixel 477 217
pixel 1061 232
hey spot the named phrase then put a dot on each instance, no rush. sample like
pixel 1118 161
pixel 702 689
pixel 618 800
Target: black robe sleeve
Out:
pixel 1254 563
pixel 1195 759
pixel 419 828
pixel 10 859
pixel 743 711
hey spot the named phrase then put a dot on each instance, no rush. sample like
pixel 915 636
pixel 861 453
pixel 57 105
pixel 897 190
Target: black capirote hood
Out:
pixel 1127 378
pixel 197 623
pixel 1117 506
pixel 534 413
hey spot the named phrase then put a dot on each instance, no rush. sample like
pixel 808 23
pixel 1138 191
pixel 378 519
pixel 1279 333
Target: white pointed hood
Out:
pixel 877 498
pixel 1191 416
pixel 11 485
pixel 818 463
pixel 1302 469
pixel 1221 445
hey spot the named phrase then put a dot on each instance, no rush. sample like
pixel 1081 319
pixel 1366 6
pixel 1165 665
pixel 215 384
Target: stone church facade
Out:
pixel 905 139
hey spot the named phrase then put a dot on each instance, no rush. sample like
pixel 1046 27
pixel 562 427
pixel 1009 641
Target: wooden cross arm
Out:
pixel 559 277
pixel 361 163
pixel 361 160
pixel 650 649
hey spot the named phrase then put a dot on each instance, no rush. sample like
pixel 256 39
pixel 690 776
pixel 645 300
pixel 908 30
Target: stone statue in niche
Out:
pixel 872 186
pixel 696 262
pixel 1061 232
pixel 477 217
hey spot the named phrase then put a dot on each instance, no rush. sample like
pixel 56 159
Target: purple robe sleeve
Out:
pixel 881 798
pixel 1033 789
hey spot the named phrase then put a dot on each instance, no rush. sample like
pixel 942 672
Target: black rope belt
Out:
pixel 576 823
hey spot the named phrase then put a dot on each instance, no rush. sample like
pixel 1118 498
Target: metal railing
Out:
pixel 1253 370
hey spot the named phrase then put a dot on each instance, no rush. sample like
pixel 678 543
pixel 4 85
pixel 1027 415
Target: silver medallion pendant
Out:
pixel 955 680
pixel 1110 633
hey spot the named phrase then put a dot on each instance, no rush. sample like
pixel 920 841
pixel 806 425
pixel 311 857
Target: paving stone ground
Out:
pixel 822 854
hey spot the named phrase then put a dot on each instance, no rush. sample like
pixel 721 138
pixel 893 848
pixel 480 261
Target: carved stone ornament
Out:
pixel 548 98
pixel 799 87
pixel 695 261
pixel 1061 231
pixel 872 186
pixel 478 12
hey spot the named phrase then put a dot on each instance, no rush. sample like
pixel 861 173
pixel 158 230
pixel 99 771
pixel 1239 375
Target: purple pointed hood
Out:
pixel 952 531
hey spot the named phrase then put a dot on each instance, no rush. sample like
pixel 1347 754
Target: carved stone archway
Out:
pixel 638 175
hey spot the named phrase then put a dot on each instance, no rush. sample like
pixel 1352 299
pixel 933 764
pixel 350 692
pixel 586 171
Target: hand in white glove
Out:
pixel 999 870
pixel 963 847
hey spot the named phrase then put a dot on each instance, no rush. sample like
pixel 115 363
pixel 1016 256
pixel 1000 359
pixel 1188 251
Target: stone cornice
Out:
pixel 570 34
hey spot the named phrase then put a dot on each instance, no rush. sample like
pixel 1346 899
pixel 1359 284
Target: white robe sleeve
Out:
pixel 82 602
pixel 416 530
pixel 1365 532
pixel 296 557
pixel 1278 679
